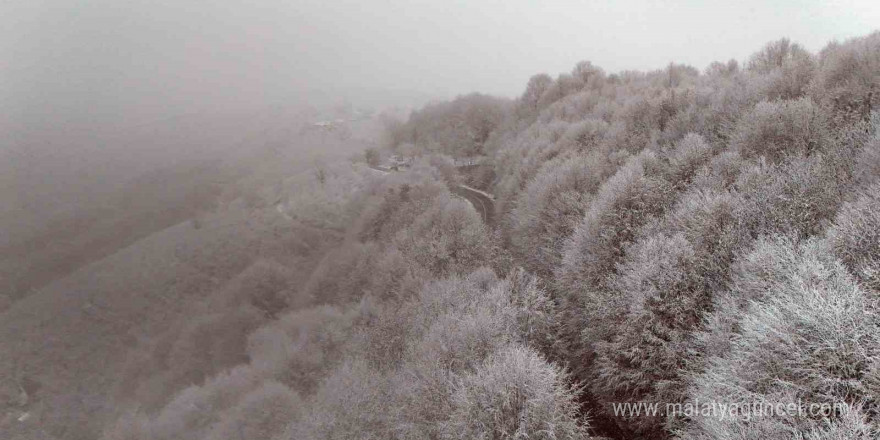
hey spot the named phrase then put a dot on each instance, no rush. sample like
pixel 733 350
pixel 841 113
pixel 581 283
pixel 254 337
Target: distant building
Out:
pixel 338 127
pixel 396 162
pixel 469 161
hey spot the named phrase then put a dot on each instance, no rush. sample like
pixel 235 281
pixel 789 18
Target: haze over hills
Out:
pixel 228 220
pixel 124 264
pixel 71 188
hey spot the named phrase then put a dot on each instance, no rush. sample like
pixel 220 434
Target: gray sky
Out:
pixel 91 90
pixel 111 59
pixel 456 46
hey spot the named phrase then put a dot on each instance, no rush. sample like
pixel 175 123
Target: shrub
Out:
pixel 757 270
pixel 458 340
pixel 385 334
pixel 787 67
pixel 685 158
pixel 799 196
pixel 847 79
pixel 212 343
pixel 514 394
pixel 707 218
pixel 458 128
pixel 353 402
pixel 778 129
pixel 301 347
pixel 197 408
pixel 528 102
pixel 523 156
pixel 623 203
pixel 394 275
pixel 867 166
pixel 342 274
pixel 552 204
pixel 721 171
pixel 534 312
pixel 663 287
pixel 639 125
pixel 774 55
pixel 394 204
pixel 449 236
pixel 265 285
pixel 811 335
pixel 451 326
pixel 855 236
pixel 261 414
pixel 640 191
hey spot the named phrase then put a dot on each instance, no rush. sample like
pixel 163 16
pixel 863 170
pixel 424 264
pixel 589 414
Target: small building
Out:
pixel 396 162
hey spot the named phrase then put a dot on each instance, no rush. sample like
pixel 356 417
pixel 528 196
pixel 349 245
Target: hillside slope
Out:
pixel 70 339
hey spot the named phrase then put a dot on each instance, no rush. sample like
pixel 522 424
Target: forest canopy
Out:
pixel 674 236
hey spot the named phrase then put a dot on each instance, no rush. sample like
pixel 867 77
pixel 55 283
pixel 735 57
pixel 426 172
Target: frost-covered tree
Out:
pixel 537 85
pixel 459 128
pixel 641 191
pixel 809 333
pixel 855 237
pixel 263 413
pixel 552 205
pixel 777 129
pixel 847 79
pixel 514 394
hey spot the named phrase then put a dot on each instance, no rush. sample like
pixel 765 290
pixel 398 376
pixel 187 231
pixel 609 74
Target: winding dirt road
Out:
pixel 481 201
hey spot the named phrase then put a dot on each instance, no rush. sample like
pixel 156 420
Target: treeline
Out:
pixel 458 128
pixel 673 236
pixel 706 235
pixel 404 330
pixel 673 216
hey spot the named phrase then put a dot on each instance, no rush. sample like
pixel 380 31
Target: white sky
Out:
pixel 116 56
pixel 457 46
pixel 495 46
pixel 78 76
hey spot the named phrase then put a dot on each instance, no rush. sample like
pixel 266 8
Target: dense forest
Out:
pixel 672 237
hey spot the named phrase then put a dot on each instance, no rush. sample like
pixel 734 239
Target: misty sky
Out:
pixel 94 59
pixel 96 91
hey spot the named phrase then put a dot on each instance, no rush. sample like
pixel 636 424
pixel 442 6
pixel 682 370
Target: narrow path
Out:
pixel 481 201
pixel 484 205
